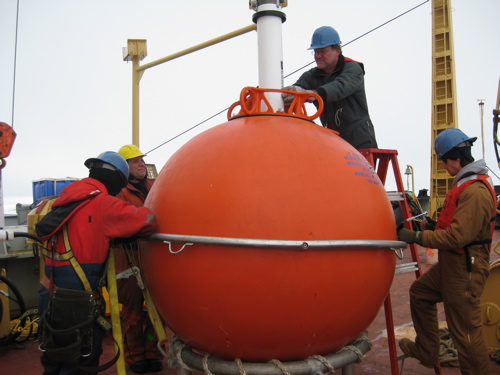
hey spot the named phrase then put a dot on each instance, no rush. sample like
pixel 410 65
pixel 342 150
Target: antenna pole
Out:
pixel 481 114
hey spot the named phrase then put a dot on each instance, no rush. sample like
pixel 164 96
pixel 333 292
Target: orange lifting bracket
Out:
pixel 252 100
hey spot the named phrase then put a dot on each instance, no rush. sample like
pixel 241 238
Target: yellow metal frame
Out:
pixel 137 50
pixel 444 110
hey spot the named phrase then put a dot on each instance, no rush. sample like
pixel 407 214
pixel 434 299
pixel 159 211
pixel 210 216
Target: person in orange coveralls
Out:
pixel 139 339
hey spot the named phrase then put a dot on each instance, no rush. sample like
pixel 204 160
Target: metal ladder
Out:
pixel 379 160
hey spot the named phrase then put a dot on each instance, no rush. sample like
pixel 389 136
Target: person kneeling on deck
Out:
pixel 463 237
pixel 77 234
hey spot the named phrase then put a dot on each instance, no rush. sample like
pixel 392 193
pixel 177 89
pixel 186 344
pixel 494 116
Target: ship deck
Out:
pixel 24 358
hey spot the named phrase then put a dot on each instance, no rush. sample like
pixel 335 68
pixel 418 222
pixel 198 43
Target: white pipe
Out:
pixel 270 51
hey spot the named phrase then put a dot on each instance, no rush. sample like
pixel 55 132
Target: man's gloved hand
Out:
pixel 428 224
pixel 410 236
pixel 289 97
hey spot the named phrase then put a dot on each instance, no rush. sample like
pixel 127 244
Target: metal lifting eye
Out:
pixel 397 251
pixel 178 251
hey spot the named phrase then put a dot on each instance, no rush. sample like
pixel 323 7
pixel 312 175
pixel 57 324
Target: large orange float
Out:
pixel 259 179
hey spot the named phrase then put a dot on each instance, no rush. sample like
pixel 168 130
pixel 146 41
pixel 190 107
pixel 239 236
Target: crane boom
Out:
pixel 444 109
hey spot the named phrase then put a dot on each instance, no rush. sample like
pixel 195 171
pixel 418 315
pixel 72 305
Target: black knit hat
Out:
pixel 463 153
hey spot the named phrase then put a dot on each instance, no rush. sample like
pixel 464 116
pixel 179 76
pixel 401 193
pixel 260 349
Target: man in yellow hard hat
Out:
pixel 138 183
pixel 139 339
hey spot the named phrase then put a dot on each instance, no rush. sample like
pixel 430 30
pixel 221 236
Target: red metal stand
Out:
pixel 380 159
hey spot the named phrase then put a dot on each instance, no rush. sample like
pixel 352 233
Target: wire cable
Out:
pixel 359 37
pixel 288 75
pixel 185 131
pixel 15 65
pixel 493 173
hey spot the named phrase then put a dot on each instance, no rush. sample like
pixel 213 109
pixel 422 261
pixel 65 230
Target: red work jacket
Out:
pixel 91 228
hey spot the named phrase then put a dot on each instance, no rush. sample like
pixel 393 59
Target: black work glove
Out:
pixel 410 236
pixel 428 224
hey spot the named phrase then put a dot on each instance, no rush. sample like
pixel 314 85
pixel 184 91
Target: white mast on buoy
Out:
pixel 269 18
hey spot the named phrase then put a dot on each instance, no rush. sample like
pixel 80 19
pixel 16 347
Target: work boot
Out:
pixel 410 349
pixel 154 365
pixel 139 367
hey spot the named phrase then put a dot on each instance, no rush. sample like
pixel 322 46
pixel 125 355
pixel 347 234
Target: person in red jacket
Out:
pixel 91 215
pixel 139 339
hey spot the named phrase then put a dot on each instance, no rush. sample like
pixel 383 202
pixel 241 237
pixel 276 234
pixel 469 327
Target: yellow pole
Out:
pixel 481 114
pixel 115 312
pixel 136 79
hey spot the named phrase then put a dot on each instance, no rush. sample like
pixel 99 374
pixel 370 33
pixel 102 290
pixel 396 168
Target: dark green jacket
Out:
pixel 346 109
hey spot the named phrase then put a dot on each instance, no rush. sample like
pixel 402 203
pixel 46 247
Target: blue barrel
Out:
pixel 48 187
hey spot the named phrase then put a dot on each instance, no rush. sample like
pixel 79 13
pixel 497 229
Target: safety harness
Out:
pixel 68 333
pixel 156 321
pixel 450 206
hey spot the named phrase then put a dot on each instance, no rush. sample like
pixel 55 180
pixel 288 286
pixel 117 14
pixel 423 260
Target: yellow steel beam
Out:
pixel 444 109
pixel 198 47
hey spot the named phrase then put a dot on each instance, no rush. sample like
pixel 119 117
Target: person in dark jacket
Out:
pixel 95 218
pixel 139 339
pixel 339 81
pixel 462 236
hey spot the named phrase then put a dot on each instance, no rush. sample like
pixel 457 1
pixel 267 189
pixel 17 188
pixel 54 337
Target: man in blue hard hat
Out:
pixel 339 81
pixel 77 233
pixel 462 235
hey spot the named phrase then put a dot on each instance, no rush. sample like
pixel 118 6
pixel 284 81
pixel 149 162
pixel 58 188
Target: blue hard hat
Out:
pixel 324 36
pixel 109 160
pixel 451 138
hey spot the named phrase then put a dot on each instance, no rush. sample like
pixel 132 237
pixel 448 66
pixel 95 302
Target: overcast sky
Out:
pixel 72 91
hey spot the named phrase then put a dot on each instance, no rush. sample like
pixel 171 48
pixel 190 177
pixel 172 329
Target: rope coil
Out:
pixel 355 350
pixel 325 362
pixel 448 354
pixel 280 365
pixel 178 357
pixel 241 369
pixel 205 364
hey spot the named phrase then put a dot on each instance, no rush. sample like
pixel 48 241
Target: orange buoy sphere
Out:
pixel 276 178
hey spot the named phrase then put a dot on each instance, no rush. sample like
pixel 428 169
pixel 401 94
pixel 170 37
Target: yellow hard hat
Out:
pixel 130 152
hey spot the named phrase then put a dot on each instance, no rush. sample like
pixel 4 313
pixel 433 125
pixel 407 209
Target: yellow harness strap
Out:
pixel 155 318
pixel 152 311
pixel 115 312
pixel 69 256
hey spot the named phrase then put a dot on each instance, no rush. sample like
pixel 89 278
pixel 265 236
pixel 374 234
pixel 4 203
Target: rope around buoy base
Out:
pixel 183 356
